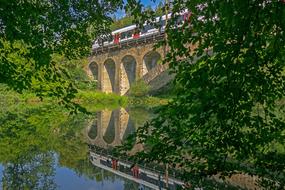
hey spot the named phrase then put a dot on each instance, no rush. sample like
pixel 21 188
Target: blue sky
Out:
pixel 153 4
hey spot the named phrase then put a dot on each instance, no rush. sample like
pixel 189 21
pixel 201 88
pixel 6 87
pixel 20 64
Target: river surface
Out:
pixel 46 148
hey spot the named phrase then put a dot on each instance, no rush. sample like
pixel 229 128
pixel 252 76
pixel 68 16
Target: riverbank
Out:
pixel 90 99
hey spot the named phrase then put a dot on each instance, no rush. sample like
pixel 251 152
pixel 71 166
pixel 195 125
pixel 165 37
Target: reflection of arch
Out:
pixel 93 66
pixel 92 132
pixel 109 72
pixel 128 72
pixel 130 129
pixel 109 128
pixel 109 135
pixel 150 61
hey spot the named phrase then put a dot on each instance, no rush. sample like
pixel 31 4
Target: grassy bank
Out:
pixel 95 100
pixel 147 101
pixel 90 99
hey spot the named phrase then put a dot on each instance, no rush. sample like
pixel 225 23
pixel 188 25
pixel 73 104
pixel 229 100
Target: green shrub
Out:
pixel 139 89
pixel 86 85
pixel 93 100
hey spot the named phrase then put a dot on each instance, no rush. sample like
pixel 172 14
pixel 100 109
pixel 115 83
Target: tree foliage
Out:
pixel 32 31
pixel 139 89
pixel 128 19
pixel 225 118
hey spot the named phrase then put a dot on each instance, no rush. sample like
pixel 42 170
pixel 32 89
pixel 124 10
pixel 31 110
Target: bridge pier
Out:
pixel 139 71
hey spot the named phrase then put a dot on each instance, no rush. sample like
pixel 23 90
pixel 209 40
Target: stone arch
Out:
pixel 109 72
pixel 150 61
pixel 110 132
pixel 128 73
pixel 94 68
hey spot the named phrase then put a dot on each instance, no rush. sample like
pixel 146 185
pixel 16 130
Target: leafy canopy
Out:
pixel 227 116
pixel 32 31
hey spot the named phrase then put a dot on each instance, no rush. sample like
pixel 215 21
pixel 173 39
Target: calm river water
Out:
pixel 46 148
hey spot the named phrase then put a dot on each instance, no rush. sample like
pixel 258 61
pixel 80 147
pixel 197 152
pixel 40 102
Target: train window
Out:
pixel 123 35
pixel 145 29
pixel 150 27
pixel 129 34
pixel 161 23
pixel 180 19
pixel 100 41
pixel 110 38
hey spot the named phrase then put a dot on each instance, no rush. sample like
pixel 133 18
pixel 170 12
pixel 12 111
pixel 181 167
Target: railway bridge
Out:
pixel 118 66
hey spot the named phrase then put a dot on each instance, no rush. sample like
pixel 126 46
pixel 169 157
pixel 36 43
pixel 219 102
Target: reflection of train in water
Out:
pixel 139 174
pixel 130 33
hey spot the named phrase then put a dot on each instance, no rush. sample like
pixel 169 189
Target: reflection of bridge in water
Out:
pixel 110 128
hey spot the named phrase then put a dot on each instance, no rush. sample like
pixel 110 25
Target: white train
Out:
pixel 132 32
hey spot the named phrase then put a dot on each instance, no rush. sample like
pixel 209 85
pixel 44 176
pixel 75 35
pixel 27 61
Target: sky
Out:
pixel 121 13
pixel 151 3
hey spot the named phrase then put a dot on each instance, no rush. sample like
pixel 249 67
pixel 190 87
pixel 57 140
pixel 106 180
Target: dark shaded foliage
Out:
pixel 225 118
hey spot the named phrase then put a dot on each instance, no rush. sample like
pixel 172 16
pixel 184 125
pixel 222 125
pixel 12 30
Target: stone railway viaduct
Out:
pixel 117 67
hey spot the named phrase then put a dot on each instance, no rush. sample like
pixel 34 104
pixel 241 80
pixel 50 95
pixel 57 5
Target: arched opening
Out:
pixel 150 61
pixel 109 135
pixel 128 73
pixel 93 66
pixel 109 72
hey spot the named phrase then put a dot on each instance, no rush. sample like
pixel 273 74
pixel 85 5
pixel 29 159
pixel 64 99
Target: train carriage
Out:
pixel 132 32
